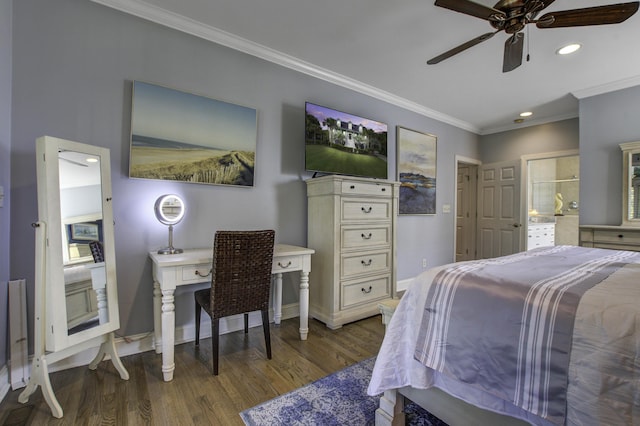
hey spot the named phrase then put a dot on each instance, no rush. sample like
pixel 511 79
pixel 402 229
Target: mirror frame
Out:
pixel 628 149
pixel 54 302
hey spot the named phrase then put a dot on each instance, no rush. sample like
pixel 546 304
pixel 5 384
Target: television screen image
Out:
pixel 340 143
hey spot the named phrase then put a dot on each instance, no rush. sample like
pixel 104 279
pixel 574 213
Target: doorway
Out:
pixel 553 203
pixel 466 209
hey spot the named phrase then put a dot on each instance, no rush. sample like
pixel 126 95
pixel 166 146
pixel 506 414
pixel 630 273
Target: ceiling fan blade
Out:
pixel 599 15
pixel 513 48
pixel 471 8
pixel 462 47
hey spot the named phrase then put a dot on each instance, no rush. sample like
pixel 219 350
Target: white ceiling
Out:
pixel 380 48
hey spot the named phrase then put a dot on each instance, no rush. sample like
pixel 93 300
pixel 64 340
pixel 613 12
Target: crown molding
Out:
pixel 606 88
pixel 527 123
pixel 187 25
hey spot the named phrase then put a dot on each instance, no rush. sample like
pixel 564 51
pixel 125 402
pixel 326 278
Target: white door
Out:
pixel 466 205
pixel 499 225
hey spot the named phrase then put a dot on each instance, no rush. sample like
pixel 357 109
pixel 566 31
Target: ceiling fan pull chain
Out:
pixel 528 36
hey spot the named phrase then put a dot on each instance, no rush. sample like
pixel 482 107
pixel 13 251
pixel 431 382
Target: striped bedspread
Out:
pixel 505 325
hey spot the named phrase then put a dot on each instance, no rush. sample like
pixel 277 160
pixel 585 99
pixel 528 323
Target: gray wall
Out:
pixel 5 165
pixel 557 136
pixel 73 66
pixel 605 122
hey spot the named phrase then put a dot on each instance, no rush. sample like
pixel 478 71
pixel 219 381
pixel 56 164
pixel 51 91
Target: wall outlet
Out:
pixel 446 208
pixel 424 263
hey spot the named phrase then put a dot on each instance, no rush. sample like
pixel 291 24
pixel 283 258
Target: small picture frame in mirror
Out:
pixel 85 231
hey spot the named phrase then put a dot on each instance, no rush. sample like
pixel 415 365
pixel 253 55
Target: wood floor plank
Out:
pixel 195 397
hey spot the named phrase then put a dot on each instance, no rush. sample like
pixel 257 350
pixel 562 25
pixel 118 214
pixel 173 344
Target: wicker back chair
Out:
pixel 240 282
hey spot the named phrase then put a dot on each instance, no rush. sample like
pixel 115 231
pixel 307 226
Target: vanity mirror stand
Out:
pixel 76 301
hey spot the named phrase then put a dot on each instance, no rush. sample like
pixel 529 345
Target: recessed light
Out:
pixel 91 160
pixel 568 49
pixel 526 114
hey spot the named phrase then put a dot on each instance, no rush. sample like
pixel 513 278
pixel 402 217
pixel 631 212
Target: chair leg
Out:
pixel 198 313
pixel 246 323
pixel 267 335
pixel 215 335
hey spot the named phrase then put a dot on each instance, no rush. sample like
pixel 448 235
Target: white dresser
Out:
pixel 540 235
pixel 352 228
pixel 610 237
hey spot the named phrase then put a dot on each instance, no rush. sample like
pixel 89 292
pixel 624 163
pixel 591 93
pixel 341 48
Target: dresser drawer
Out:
pixel 365 263
pixel 366 188
pixel 284 264
pixel 613 236
pixel 196 273
pixel 364 291
pixel 365 236
pixel 362 209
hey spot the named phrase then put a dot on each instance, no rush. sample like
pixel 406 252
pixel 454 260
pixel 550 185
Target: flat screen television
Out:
pixel 340 143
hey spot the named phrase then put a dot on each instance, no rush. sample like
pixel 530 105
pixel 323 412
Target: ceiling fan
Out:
pixel 512 16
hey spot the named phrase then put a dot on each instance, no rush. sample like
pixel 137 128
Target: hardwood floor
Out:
pixel 195 397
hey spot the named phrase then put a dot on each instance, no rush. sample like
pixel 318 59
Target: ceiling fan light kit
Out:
pixel 512 16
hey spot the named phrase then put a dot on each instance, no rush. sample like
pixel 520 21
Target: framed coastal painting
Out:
pixel 416 156
pixel 185 137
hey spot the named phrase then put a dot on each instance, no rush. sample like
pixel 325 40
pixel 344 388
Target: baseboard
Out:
pixel 403 284
pixel 131 345
pixel 4 382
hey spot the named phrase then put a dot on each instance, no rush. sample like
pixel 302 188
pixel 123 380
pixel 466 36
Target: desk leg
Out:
pixel 157 322
pixel 304 304
pixel 168 334
pixel 277 300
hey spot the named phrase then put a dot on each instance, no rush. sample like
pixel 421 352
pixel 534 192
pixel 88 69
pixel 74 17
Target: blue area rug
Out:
pixel 338 399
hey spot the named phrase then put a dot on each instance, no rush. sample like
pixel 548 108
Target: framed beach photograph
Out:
pixel 85 231
pixel 184 137
pixel 416 156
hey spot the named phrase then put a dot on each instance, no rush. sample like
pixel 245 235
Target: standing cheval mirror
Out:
pixel 76 300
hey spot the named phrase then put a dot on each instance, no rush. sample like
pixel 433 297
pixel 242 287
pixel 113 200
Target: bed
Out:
pixel 590 357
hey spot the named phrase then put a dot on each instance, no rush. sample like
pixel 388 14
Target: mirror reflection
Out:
pixel 82 240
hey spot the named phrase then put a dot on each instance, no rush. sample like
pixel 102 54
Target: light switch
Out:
pixel 446 208
pixel 1 196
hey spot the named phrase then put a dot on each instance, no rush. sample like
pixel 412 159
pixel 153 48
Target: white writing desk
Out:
pixel 193 267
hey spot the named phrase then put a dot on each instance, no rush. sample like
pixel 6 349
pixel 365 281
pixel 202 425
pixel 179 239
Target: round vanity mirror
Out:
pixel 169 210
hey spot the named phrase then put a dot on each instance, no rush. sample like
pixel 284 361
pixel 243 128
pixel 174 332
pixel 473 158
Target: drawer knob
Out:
pixel 366 263
pixel 366 237
pixel 352 187
pixel 620 236
pixel 198 273
pixel 366 291
pixel 284 266
pixel 367 210
pixel 383 189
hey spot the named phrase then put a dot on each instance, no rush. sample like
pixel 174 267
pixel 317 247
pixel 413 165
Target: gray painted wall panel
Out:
pixel 73 66
pixel 605 122
pixel 5 167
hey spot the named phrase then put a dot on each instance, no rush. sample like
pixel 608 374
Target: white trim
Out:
pixel 524 185
pixel 140 343
pixel 4 382
pixel 186 25
pixel 528 123
pixel 606 88
pixel 460 159
pixel 403 285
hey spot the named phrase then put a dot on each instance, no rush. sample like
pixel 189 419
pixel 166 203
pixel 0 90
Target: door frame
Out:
pixel 524 181
pixel 457 160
